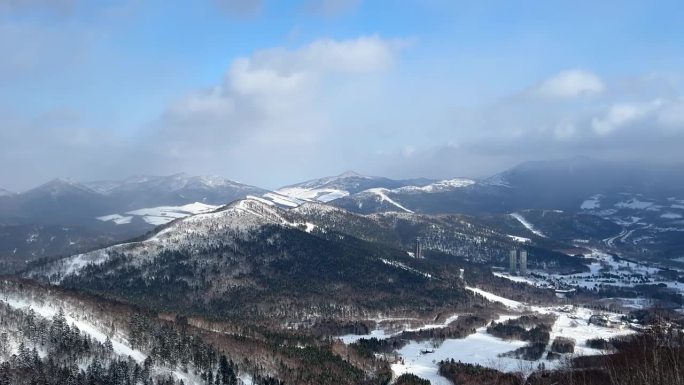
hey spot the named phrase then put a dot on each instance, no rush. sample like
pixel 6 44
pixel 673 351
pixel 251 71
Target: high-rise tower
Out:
pixel 418 253
pixel 523 262
pixel 513 261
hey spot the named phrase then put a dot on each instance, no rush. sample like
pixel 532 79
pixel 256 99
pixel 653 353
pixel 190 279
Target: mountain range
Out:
pixel 65 217
pixel 348 279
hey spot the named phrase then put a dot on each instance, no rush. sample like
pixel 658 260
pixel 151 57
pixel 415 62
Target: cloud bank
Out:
pixel 315 107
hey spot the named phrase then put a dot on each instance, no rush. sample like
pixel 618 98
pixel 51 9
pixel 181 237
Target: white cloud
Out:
pixel 565 130
pixel 274 100
pixel 570 84
pixel 620 115
pixel 275 79
pixel 672 115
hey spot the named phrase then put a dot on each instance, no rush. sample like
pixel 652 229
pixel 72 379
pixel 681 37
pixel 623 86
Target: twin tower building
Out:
pixel 518 262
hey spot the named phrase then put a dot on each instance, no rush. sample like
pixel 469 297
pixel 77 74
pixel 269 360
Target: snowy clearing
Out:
pixel 313 194
pixel 159 215
pixel 382 193
pixel 495 298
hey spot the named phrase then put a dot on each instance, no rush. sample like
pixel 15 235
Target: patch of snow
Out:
pixel 592 203
pixel 331 196
pixel 519 239
pixel 283 200
pixel 404 267
pixel 634 203
pixel 527 224
pixel 246 379
pixel 671 216
pixel 443 185
pixel 313 194
pixel 309 227
pixel 159 215
pixel 108 218
pixel 515 278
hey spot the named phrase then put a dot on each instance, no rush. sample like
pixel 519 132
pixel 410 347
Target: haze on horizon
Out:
pixel 273 92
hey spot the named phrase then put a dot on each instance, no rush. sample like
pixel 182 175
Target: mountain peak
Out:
pixel 59 186
pixel 350 173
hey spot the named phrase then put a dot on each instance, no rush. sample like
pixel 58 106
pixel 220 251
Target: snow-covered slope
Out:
pixel 238 217
pixel 380 195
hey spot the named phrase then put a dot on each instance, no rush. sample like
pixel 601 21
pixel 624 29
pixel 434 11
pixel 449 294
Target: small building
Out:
pixel 599 320
pixel 564 293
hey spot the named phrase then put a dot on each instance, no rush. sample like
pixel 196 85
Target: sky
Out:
pixel 273 92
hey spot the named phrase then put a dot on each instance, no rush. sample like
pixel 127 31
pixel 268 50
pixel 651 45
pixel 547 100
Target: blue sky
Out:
pixel 271 92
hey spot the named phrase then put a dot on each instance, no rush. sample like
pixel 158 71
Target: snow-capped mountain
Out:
pixel 334 187
pixel 56 217
pixel 130 207
pixel 178 189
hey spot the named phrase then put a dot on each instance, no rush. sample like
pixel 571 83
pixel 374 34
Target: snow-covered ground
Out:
pixel 516 278
pixel 478 348
pixel 283 200
pixel 422 358
pixel 159 215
